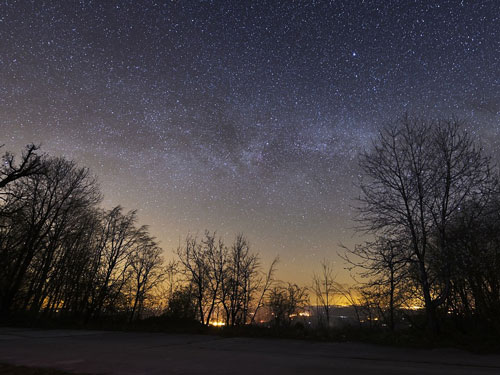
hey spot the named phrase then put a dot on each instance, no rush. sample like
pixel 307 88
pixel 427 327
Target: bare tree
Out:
pixel 351 295
pixel 418 174
pixel 264 287
pixel 382 265
pixel 117 239
pixel 475 242
pixel 203 264
pixel 286 301
pixel 324 288
pixel 46 205
pixel 147 272
pixel 30 164
pixel 227 282
pixel 239 281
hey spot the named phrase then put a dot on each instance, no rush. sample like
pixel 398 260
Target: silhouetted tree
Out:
pixel 474 239
pixel 182 304
pixel 382 264
pixel 30 164
pixel 324 288
pixel 285 302
pixel 225 281
pixel 117 238
pixel 147 272
pixel 203 263
pixel 46 205
pixel 418 175
pixel 265 284
pixel 239 281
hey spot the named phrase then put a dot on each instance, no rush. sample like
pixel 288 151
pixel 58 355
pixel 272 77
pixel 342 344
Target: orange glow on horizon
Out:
pixel 217 324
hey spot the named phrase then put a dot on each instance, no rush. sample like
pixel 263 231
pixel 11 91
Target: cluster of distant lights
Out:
pixel 308 314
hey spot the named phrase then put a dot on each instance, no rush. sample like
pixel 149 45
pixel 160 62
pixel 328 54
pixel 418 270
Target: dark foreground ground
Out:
pixel 97 352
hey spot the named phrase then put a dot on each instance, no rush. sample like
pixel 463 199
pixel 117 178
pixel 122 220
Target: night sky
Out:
pixel 241 116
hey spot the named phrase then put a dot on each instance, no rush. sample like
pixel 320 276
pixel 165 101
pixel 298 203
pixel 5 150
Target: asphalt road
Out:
pixel 156 353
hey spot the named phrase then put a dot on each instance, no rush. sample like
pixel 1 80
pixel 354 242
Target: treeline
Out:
pixel 60 253
pixel 220 284
pixel 62 256
pixel 430 199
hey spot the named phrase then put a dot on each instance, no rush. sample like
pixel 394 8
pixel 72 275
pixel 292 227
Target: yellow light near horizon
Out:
pixel 415 307
pixel 217 324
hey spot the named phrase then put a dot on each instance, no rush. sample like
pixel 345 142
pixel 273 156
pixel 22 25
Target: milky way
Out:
pixel 241 116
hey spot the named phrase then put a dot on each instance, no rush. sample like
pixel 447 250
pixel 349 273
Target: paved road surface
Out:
pixel 156 353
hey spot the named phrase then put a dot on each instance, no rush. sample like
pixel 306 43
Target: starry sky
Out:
pixel 241 116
